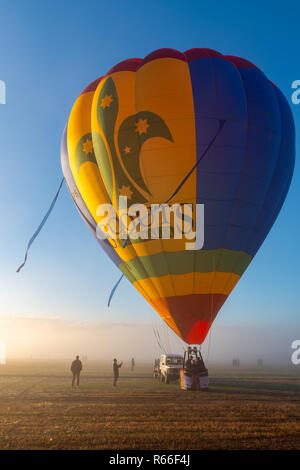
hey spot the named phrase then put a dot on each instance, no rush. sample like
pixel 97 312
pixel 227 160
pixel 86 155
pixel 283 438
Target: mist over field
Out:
pixel 47 338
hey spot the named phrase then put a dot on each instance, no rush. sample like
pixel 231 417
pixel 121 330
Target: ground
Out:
pixel 253 408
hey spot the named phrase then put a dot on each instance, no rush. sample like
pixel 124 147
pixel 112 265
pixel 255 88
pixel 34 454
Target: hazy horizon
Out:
pixel 54 338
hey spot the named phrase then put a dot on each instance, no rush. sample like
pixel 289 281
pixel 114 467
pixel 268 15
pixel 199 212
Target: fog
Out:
pixel 46 338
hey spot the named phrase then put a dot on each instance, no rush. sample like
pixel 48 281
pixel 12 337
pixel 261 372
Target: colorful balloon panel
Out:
pixel 139 130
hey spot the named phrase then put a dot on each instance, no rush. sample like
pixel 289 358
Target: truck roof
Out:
pixel 172 355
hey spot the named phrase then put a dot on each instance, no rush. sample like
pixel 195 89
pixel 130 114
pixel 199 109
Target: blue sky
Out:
pixel 49 51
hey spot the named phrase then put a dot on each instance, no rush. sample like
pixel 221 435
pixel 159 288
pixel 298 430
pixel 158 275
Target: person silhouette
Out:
pixel 76 368
pixel 116 368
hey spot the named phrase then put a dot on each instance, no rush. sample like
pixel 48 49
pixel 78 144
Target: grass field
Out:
pixel 244 409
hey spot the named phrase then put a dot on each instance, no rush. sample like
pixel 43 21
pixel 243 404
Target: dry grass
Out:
pixel 254 410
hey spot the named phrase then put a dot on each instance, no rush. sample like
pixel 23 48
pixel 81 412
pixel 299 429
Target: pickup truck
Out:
pixel 167 368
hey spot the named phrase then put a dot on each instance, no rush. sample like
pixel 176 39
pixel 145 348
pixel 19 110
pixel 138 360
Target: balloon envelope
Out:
pixel 138 131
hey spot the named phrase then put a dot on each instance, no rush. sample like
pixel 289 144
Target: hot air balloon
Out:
pixel 208 128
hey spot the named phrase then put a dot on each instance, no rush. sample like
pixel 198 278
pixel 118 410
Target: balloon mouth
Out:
pixel 192 315
pixel 198 333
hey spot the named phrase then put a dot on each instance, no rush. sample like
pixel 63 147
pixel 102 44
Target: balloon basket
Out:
pixel 193 382
pixel 193 375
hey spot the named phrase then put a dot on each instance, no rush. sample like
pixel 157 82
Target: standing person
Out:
pixel 116 368
pixel 132 364
pixel 194 372
pixel 76 368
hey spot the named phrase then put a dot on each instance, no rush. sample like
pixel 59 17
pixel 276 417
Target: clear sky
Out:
pixel 49 51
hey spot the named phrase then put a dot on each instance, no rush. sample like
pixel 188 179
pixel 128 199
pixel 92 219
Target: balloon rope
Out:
pixel 113 290
pixel 209 334
pixel 221 124
pixel 163 346
pixel 41 225
pixel 211 308
pixel 155 334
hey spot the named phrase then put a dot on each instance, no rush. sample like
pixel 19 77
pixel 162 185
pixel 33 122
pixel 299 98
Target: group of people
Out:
pixel 76 368
pixel 195 365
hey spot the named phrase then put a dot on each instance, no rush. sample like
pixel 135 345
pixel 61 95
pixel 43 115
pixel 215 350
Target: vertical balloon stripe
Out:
pixel 76 196
pixel 80 204
pixel 281 178
pixel 218 94
pixel 261 153
pixel 106 114
pixel 81 155
pixel 129 122
pixel 103 162
pixel 163 86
